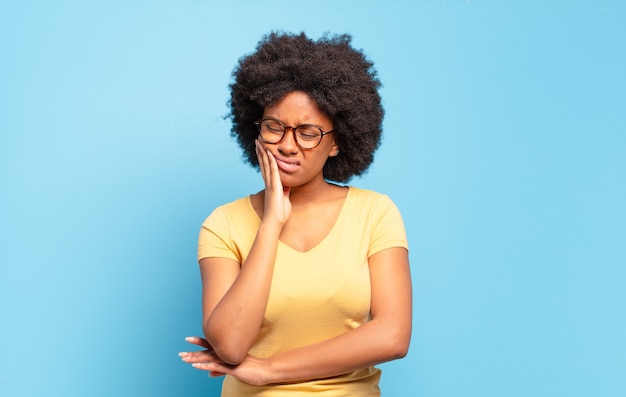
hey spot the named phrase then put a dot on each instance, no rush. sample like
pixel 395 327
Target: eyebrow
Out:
pixel 285 124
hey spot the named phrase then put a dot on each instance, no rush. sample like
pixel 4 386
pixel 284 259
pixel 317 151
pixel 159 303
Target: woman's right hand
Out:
pixel 277 205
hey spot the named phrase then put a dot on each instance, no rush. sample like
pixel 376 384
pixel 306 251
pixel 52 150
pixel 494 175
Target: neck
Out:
pixel 311 192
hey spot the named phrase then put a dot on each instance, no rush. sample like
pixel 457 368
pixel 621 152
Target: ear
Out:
pixel 334 150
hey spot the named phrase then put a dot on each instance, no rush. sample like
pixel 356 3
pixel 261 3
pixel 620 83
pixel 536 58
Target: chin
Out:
pixel 288 181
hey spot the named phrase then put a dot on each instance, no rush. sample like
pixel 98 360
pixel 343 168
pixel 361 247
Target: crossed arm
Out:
pixel 384 338
pixel 235 297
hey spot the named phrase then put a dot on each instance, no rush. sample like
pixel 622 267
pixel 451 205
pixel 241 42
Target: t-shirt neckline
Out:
pixel 323 240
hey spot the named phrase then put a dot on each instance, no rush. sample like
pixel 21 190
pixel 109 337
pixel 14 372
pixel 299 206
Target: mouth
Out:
pixel 287 165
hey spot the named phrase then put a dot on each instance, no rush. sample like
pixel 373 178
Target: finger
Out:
pixel 263 161
pixel 214 367
pixel 198 357
pixel 274 173
pixel 195 340
pixel 259 156
pixel 201 355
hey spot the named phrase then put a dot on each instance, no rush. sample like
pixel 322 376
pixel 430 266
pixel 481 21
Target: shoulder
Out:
pixel 368 204
pixel 379 218
pixel 235 205
pixel 240 208
pixel 364 197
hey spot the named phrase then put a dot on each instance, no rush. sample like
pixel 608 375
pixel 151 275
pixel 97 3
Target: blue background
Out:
pixel 504 148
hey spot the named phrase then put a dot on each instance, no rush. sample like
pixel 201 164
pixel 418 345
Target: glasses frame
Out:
pixel 293 130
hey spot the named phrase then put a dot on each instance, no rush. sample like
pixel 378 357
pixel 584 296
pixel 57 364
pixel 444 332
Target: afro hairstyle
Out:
pixel 340 79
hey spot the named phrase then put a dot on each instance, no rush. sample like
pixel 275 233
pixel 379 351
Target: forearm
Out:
pixel 233 325
pixel 372 343
pixel 384 338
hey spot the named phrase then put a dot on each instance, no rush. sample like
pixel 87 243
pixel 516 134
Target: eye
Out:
pixel 273 126
pixel 309 132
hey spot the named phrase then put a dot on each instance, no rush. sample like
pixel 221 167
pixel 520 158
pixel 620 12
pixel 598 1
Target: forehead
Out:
pixel 297 107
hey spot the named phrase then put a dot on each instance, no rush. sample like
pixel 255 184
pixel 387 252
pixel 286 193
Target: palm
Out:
pixel 277 205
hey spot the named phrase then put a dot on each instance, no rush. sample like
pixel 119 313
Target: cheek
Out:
pixel 320 160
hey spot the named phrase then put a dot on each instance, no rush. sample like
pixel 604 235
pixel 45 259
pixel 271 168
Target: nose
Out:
pixel 288 144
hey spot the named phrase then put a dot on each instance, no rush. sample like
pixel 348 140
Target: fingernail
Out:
pixel 197 365
pixel 190 338
pixel 183 354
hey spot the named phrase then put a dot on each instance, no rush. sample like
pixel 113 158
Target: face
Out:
pixel 297 166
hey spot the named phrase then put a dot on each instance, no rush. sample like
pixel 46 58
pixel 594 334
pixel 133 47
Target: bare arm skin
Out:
pixel 384 338
pixel 234 298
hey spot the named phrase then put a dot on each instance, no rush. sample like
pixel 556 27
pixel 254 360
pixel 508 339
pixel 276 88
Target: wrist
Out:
pixel 271 227
pixel 269 371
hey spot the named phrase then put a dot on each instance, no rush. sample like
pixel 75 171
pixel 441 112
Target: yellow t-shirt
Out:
pixel 315 295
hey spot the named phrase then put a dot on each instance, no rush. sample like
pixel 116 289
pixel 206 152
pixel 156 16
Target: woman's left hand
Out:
pixel 251 370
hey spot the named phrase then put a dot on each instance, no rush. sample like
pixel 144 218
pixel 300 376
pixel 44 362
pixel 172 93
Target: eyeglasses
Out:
pixel 307 136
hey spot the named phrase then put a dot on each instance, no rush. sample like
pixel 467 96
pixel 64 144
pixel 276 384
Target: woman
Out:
pixel 306 284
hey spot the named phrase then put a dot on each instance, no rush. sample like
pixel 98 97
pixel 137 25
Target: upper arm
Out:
pixel 391 299
pixel 218 275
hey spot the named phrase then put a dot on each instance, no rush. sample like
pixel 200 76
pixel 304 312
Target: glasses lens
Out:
pixel 308 136
pixel 271 131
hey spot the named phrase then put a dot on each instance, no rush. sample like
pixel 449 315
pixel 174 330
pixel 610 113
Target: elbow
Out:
pixel 231 356
pixel 226 348
pixel 398 345
pixel 397 350
pixel 400 350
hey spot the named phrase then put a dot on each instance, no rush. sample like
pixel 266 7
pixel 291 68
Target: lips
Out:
pixel 287 165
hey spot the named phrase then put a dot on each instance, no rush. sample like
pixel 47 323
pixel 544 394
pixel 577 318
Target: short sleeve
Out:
pixel 388 227
pixel 215 238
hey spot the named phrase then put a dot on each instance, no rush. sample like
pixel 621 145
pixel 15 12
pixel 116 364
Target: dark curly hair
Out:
pixel 341 80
